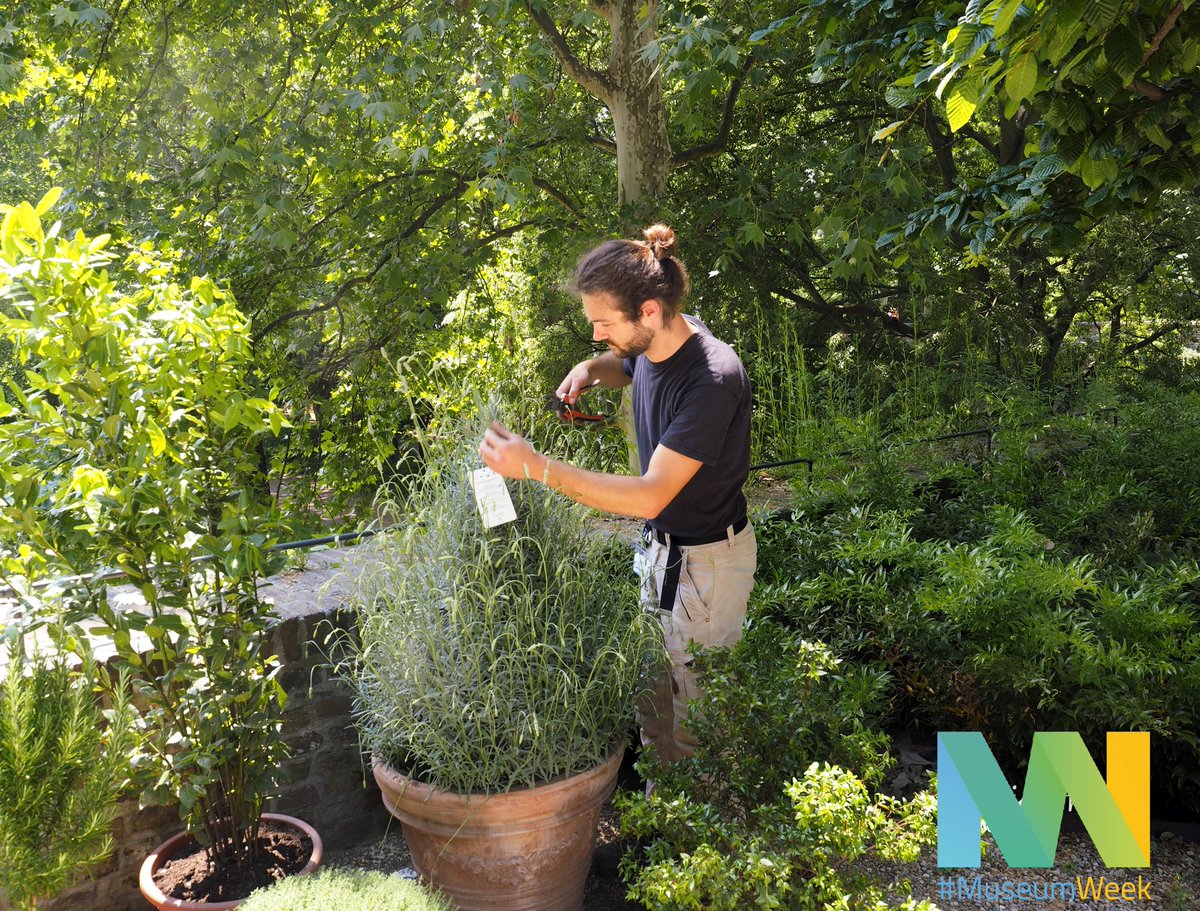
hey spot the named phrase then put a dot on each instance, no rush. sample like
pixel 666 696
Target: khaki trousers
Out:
pixel 710 605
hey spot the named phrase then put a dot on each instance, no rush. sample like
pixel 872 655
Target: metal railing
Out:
pixel 988 433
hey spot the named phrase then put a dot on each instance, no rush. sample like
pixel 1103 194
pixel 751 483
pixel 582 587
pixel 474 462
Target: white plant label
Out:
pixel 491 496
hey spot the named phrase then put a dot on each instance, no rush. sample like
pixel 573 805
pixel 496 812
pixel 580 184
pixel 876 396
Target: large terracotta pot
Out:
pixel 172 845
pixel 526 850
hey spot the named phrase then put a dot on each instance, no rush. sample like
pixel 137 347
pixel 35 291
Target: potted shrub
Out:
pixel 62 769
pixel 496 673
pixel 131 445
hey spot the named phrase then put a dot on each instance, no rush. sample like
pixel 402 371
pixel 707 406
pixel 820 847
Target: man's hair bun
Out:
pixel 661 241
pixel 635 271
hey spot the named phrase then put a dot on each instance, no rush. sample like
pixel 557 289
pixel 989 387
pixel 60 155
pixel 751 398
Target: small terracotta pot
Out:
pixel 172 845
pixel 526 850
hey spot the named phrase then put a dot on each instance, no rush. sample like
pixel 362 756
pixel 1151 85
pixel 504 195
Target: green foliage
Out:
pixel 774 703
pixel 62 769
pixel 759 818
pixel 1114 81
pixel 128 444
pixel 345 890
pixel 986 619
pixel 390 183
pixel 493 659
pixel 1111 484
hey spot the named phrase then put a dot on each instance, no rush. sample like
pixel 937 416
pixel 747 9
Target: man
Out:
pixel 691 405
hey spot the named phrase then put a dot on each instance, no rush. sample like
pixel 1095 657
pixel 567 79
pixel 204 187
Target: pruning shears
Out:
pixel 569 413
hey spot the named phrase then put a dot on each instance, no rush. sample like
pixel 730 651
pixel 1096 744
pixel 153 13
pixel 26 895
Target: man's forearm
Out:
pixel 609 370
pixel 624 495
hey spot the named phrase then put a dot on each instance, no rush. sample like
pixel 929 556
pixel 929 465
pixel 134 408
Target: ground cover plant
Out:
pixel 332 889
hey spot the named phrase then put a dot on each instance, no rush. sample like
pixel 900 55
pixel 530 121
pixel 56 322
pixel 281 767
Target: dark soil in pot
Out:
pixel 188 876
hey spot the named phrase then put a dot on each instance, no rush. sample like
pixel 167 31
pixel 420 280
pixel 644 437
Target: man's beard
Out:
pixel 638 344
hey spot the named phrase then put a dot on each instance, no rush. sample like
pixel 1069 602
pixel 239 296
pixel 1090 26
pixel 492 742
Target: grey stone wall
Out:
pixel 328 785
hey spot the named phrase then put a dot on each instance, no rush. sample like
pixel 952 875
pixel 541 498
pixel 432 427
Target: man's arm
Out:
pixel 606 369
pixel 643 496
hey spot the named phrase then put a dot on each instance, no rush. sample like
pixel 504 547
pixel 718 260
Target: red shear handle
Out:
pixel 570 413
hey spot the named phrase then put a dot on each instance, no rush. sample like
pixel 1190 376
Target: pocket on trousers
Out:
pixel 693 604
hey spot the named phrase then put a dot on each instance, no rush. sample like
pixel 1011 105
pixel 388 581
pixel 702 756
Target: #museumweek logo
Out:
pixel 1115 813
pixel 1087 890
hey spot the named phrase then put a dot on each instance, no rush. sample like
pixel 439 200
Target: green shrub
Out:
pixel 774 703
pixel 998 634
pixel 130 443
pixel 345 890
pixel 758 817
pixel 1117 486
pixel 62 769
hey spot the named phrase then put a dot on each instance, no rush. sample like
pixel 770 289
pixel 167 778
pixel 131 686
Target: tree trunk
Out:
pixel 631 90
pixel 1054 334
pixel 640 128
pixel 636 104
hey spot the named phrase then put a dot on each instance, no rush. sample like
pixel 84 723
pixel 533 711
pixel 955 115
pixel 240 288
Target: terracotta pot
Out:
pixel 172 845
pixel 526 850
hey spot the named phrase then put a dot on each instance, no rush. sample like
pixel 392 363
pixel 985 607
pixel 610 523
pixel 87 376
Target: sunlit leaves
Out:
pixel 887 131
pixel 1089 68
pixel 126 381
pixel 961 104
pixel 1005 14
pixel 1021 78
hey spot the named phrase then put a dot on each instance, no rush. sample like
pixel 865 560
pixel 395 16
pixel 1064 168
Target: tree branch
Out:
pixel 971 133
pixel 1151 339
pixel 942 144
pixel 357 281
pixel 604 145
pixel 113 25
pixel 1149 90
pixel 145 89
pixel 287 70
pixel 1172 18
pixel 595 82
pixel 558 196
pixel 839 314
pixel 718 145
pixel 371 188
pixel 800 269
pixel 501 233
pixel 374 344
pixel 817 306
pixel 1011 147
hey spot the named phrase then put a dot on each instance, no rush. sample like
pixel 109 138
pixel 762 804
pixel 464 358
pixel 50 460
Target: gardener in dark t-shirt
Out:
pixel 691 407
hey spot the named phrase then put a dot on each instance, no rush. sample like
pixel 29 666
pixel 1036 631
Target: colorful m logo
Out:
pixel 972 787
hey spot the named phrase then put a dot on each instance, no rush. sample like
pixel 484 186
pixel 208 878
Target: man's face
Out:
pixel 610 325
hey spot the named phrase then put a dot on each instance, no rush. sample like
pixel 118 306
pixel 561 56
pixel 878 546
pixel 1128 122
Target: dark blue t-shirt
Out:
pixel 696 403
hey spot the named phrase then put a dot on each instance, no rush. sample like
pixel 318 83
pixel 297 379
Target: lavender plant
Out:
pixel 490 659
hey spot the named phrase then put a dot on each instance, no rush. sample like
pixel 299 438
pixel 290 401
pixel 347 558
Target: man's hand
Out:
pixel 575 382
pixel 605 370
pixel 510 454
